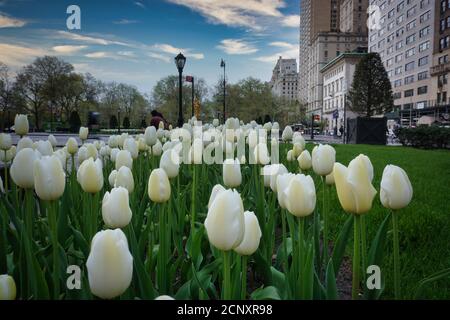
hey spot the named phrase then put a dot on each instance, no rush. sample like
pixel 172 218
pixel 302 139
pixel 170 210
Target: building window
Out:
pixel 411 12
pixel 443 59
pixel 411 38
pixel 425 31
pixel 391 14
pixel 397 95
pixel 409 93
pixel 442 25
pixel 442 79
pixel 398 70
pixel 400 19
pixel 425 17
pixel 397 83
pixel 424 46
pixel 400 6
pixel 422 75
pixel 398 58
pixel 411 25
pixel 409 80
pixel 410 52
pixel 443 5
pixel 389 62
pixel 423 61
pixel 399 32
pixel 399 45
pixel 422 90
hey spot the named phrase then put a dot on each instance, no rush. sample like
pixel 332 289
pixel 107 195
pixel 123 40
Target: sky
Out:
pixel 135 42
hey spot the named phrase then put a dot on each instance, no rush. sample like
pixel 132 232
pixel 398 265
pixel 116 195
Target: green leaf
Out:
pixel 267 293
pixel 332 293
pixel 307 280
pixel 430 279
pixel 341 243
pixel 375 257
pixel 80 242
pixel 263 268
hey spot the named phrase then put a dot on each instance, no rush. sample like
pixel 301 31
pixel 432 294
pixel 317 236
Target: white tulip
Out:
pixel 113 142
pixel 252 235
pixel 92 151
pixel 275 171
pixel 305 160
pixel 5 141
pixel 21 125
pixel 123 158
pixel 231 173
pixel 72 145
pixel 170 163
pixel 22 168
pixel 300 196
pixel 114 152
pixel 131 146
pixel 44 147
pixel 396 190
pixel 157 149
pixel 262 154
pixel 287 134
pixel 164 297
pixel 283 181
pixel 225 223
pixel 7 288
pixel 90 175
pixel 150 136
pixel 83 133
pixel 159 186
pixel 112 178
pixel 23 143
pixel 82 154
pixel 110 264
pixel 124 178
pixel 323 159
pixel 215 191
pixel 49 178
pixel 51 138
pixel 116 210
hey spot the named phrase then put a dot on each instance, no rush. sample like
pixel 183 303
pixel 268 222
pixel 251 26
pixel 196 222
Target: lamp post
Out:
pixel 118 120
pixel 344 132
pixel 222 65
pixel 180 61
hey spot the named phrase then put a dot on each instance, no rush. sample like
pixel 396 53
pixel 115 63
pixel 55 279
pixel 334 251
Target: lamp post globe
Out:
pixel 180 61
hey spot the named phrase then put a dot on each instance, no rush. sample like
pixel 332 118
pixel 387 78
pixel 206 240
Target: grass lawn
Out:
pixel 424 224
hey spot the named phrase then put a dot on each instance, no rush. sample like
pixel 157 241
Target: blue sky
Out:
pixel 135 41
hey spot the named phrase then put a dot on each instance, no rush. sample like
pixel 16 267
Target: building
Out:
pixel 322 40
pixel 284 82
pixel 337 81
pixel 404 38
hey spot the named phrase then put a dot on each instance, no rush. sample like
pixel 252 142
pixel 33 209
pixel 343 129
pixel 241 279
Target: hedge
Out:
pixel 427 137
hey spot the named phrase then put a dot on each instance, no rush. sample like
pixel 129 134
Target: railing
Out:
pixel 440 69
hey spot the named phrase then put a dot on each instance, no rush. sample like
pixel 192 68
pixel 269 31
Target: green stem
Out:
pixel 325 222
pixel 396 256
pixel 283 230
pixel 52 219
pixel 300 258
pixel 29 212
pixel 162 258
pixel 226 287
pixel 363 246
pixel 193 214
pixel 244 278
pixel 356 257
pixel 6 175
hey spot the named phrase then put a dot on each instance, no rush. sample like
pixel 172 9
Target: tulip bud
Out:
pixel 61 155
pixel 83 134
pixel 304 160
pixel 232 177
pixel 215 122
pixel 161 125
pixel 72 146
pixel 287 134
pixel 114 152
pixel 21 126
pixel 49 178
pixel 170 163
pixel 8 156
pixel 112 178
pixel 124 178
pixel 290 156
pixel 353 186
pixel 275 171
pixel 113 142
pixel 164 297
pixel 283 181
pixel 252 139
pixel 51 138
pixel 329 179
pixel 92 151
pixel 22 168
pixel 266 171
pixel 116 210
pixel 2 188
pixel 323 159
pixel 300 196
pixel 110 264
pixel 150 136
pixel 90 175
pixel 5 141
pixel 23 143
pixel 123 158
pixel 225 223
pixel 157 149
pixel 262 154
pixel 252 235
pixel 7 287
pixel 215 191
pixel 159 186
pixel 131 146
pixel 396 190
pixel 44 147
pixel 105 151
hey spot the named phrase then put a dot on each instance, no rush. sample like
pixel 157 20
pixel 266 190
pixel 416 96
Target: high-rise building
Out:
pixel 440 85
pixel 404 39
pixel 284 79
pixel 322 40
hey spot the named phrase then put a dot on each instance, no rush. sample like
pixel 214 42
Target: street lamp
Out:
pixel 180 61
pixel 222 65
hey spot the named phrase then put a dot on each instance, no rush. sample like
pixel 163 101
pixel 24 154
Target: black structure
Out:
pixel 222 65
pixel 363 130
pixel 180 61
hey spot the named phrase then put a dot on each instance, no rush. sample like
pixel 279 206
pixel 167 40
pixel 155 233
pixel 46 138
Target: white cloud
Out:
pixel 129 54
pixel 68 49
pixel 290 51
pixel 17 56
pixel 236 46
pixel 139 4
pixel 159 56
pixel 94 40
pixel 292 21
pixel 98 55
pixel 126 21
pixel 9 22
pixel 235 12
pixel 167 48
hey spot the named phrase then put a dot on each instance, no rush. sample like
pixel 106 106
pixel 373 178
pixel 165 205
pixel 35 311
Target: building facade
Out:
pixel 322 39
pixel 404 38
pixel 284 82
pixel 440 69
pixel 337 81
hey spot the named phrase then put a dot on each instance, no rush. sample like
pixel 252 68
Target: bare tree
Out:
pixel 6 93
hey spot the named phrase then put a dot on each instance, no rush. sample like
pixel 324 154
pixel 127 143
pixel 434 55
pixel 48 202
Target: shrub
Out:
pixel 74 121
pixel 428 137
pixel 113 122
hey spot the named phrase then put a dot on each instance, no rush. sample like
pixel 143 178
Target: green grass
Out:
pixel 424 224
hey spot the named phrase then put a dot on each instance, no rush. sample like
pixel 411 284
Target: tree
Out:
pixel 371 91
pixel 6 93
pixel 126 123
pixel 69 93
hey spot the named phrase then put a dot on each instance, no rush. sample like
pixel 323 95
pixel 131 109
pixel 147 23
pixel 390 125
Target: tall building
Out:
pixel 284 79
pixel 404 39
pixel 321 40
pixel 440 85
